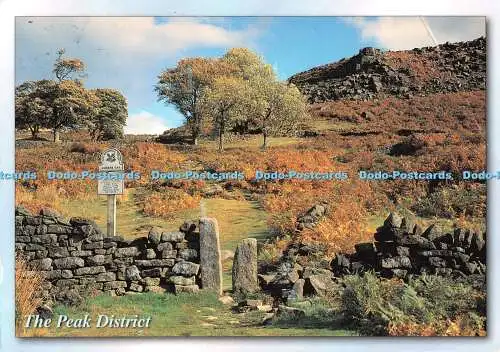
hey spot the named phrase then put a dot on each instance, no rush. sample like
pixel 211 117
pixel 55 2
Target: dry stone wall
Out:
pixel 400 249
pixel 78 259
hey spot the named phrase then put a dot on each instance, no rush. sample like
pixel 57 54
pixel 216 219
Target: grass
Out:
pixel 177 315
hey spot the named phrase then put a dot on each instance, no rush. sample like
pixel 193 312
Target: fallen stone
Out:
pixel 294 313
pixel 322 285
pixel 227 300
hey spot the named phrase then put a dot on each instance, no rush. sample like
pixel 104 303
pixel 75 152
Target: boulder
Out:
pixel 396 262
pixel 322 284
pixel 294 313
pixel 416 241
pixel 298 288
pixel 188 226
pixel 127 252
pixel 393 220
pixel 431 233
pixel 41 264
pixel 172 236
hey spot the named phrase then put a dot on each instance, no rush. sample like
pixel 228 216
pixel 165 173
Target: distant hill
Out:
pixel 450 67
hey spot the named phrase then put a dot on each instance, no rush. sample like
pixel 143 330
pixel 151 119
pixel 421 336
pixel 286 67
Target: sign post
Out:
pixel 111 185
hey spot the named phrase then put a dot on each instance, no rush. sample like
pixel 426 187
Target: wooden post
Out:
pixel 111 224
pixel 111 163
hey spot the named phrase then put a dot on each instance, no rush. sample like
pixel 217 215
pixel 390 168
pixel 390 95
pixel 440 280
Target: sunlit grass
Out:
pixel 178 315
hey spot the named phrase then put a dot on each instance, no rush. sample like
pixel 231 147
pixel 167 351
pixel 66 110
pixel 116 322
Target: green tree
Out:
pixel 110 115
pixel 277 108
pixel 32 106
pixel 225 101
pixel 247 65
pixel 185 85
pixel 71 105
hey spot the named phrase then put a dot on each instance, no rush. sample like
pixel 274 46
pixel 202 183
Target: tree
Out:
pixel 248 65
pixel 225 100
pixel 184 86
pixel 32 106
pixel 109 116
pixel 272 105
pixel 64 68
pixel 237 90
pixel 277 108
pixel 71 105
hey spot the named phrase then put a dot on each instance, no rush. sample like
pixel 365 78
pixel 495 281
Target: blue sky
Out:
pixel 127 53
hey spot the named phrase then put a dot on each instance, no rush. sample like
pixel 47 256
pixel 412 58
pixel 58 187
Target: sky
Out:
pixel 128 53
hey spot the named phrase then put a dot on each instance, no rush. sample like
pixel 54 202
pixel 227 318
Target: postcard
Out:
pixel 250 176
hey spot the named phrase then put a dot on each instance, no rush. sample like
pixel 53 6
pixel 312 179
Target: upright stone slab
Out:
pixel 245 267
pixel 210 257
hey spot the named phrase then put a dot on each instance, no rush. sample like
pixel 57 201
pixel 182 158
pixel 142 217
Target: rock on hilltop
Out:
pixel 449 67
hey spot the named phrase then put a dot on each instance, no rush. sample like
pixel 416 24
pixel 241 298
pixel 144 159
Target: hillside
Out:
pixel 450 67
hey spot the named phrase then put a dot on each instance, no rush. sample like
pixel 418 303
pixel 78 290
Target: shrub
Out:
pixel 453 202
pixel 409 146
pixel 84 148
pixel 428 305
pixel 166 203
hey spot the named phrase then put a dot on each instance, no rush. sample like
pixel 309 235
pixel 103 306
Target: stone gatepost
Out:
pixel 245 267
pixel 210 257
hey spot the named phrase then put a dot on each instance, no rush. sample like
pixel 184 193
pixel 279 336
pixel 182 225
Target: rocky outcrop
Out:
pixel 373 73
pixel 77 258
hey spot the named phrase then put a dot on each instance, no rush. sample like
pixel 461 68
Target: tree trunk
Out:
pixel 195 128
pixel 56 136
pixel 34 132
pixel 264 144
pixel 220 138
